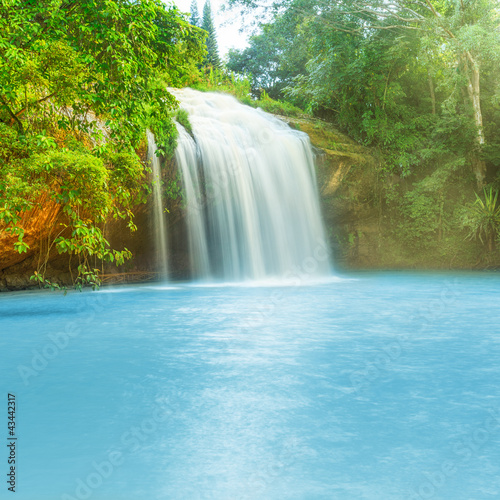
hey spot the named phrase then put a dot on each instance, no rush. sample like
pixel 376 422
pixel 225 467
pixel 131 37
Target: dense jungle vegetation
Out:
pixel 416 80
pixel 80 81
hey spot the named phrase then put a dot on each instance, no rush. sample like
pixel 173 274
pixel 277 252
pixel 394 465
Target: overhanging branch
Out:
pixel 12 114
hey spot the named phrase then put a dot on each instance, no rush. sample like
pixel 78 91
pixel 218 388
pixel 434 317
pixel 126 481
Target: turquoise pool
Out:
pixel 359 387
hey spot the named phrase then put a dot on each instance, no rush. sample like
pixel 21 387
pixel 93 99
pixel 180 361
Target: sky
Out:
pixel 227 25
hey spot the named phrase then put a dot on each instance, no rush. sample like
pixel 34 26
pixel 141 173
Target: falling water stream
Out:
pixel 159 225
pixel 250 187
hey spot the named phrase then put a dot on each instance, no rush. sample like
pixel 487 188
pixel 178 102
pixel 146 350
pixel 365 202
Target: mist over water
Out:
pixel 250 187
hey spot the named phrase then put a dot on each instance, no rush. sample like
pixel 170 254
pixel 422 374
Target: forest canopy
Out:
pixel 415 80
pixel 80 81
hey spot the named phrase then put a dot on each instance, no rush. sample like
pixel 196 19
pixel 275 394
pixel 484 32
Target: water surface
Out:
pixel 363 387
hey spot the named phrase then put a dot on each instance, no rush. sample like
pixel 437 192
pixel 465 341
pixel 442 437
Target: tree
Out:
pixel 468 28
pixel 195 16
pixel 454 41
pixel 90 55
pixel 274 57
pixel 212 56
pixel 79 84
pixel 262 61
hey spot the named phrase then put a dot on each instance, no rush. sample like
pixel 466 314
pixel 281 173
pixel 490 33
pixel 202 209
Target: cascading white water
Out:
pixel 160 231
pixel 250 188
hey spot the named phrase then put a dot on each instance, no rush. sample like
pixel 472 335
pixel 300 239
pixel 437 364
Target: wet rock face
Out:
pixel 141 241
pixel 17 268
pixel 37 224
pixel 17 277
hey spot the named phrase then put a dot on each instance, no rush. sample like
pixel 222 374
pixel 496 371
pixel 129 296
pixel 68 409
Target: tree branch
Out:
pixel 437 15
pixel 21 111
pixel 12 114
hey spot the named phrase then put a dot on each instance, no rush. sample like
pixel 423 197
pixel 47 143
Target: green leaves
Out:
pixel 79 84
pixel 212 55
pixel 482 218
pixel 392 75
pixel 94 55
pixel 46 283
pixel 182 117
pixel 21 246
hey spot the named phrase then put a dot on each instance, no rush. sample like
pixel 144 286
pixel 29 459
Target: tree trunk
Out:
pixel 491 242
pixel 474 95
pixel 474 91
pixel 478 167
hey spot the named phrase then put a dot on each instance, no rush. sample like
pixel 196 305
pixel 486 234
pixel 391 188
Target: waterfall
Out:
pixel 250 190
pixel 159 226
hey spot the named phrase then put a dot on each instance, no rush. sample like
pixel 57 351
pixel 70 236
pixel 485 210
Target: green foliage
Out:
pixel 268 60
pixel 482 218
pixel 421 210
pixel 89 190
pixel 277 107
pixel 172 190
pixel 425 211
pixel 165 136
pixel 79 84
pixel 222 80
pixel 212 55
pixel 183 118
pixel 95 57
pixel 400 77
pixel 46 283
